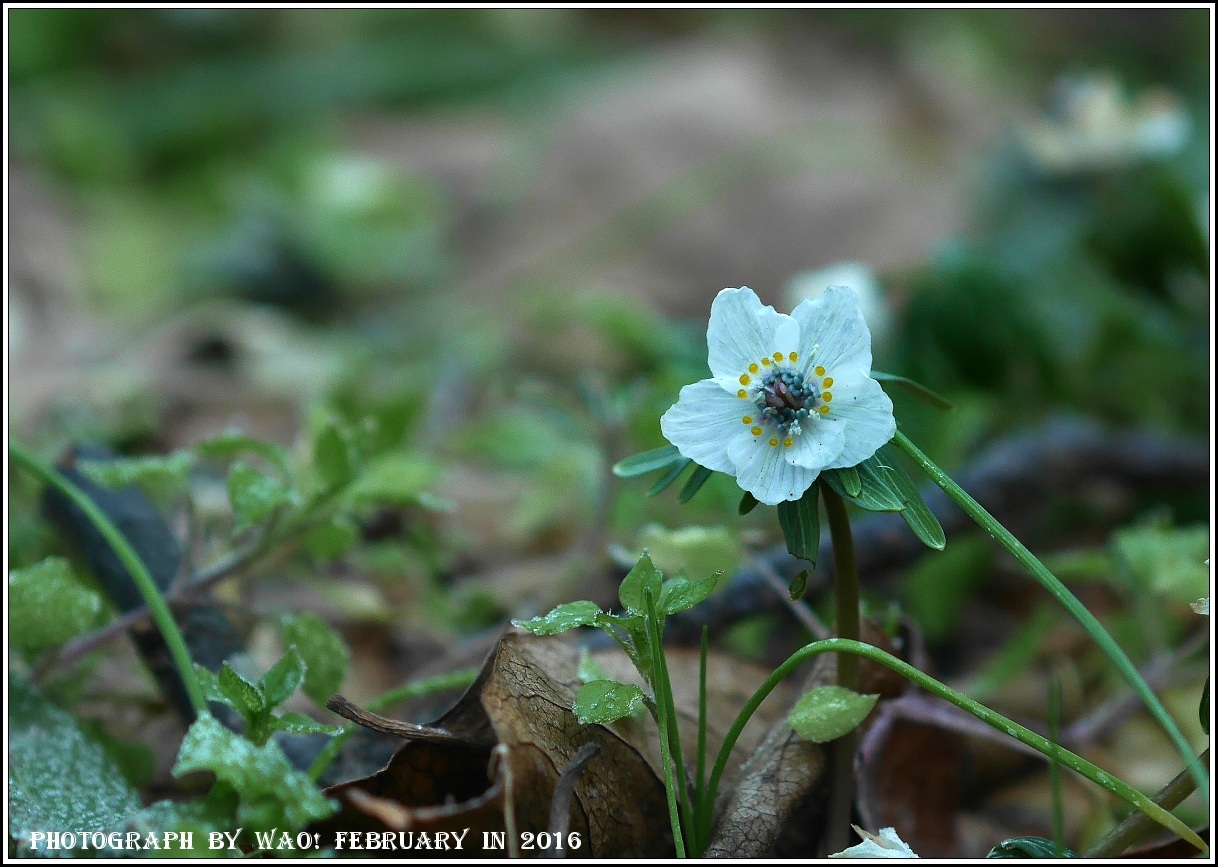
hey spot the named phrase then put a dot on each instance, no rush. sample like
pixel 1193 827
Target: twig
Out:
pixel 802 611
pixel 564 791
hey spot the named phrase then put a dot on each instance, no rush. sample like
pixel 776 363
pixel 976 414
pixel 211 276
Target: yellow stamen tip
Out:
pixel 745 379
pixel 764 361
pixel 742 394
pixel 823 410
pixel 753 368
pixel 774 441
pixel 778 356
pixel 828 383
pixel 756 431
pixel 826 396
pixel 788 442
pixel 794 356
pixel 748 419
pixel 820 371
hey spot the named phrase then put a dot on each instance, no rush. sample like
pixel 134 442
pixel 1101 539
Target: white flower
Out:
pixel 886 844
pixel 788 397
pixel 877 312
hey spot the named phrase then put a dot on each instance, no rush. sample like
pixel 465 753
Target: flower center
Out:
pixel 784 399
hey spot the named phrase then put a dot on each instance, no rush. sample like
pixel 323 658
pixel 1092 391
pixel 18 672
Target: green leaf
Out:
pixel 244 696
pixel 282 679
pixel 800 522
pixel 879 493
pixel 210 684
pixel 747 504
pixel 646 462
pixel 849 477
pixel 1203 709
pixel 155 473
pixel 1169 561
pixel 669 477
pixel 916 388
pixel 644 576
pixel 332 457
pixel 324 652
pixel 606 701
pixel 58 779
pixel 695 483
pixel 589 669
pixel 299 724
pixel 48 605
pixel 694 551
pixel 254 496
pixel 562 618
pixel 828 712
pixel 332 539
pixel 233 442
pixel 916 515
pixel 1029 847
pixel 394 479
pixel 271 792
pixel 680 594
pixel 799 586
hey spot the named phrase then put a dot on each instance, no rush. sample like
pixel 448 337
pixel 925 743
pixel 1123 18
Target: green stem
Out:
pixel 846 584
pixel 700 773
pixel 670 789
pixel 996 720
pixel 131 561
pixel 1071 603
pixel 1135 827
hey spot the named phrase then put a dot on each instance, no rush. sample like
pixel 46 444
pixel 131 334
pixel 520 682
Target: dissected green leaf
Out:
pixel 58 779
pixel 562 618
pixel 916 388
pixel 272 793
pixel 646 462
pixel 254 495
pixel 800 522
pixel 828 712
pixel 155 473
pixel 680 594
pixel 669 477
pixel 332 456
pixel 48 605
pixel 395 479
pixel 916 515
pixel 644 576
pixel 241 694
pixel 606 701
pixel 1029 847
pixel 299 724
pixel 332 539
pixel 324 652
pixel 697 479
pixel 282 679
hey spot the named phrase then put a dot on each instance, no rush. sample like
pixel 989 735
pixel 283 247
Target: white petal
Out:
pixel 742 331
pixel 864 414
pixel 818 445
pixel 833 325
pixel 703 421
pixel 764 471
pixel 885 844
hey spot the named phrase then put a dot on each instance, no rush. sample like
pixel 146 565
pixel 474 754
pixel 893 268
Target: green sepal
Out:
pixel 800 522
pixel 695 483
pixel 878 493
pixel 646 462
pixel 747 504
pixel 669 477
pixel 916 515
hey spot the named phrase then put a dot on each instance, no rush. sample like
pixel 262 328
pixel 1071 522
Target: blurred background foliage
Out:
pixel 484 244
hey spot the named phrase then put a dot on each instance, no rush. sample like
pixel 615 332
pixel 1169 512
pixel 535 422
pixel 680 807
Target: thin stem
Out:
pixel 992 718
pixel 131 562
pixel 846 585
pixel 674 817
pixel 700 773
pixel 1071 603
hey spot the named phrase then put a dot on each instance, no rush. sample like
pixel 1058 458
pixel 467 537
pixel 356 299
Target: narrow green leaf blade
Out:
pixel 646 462
pixel 828 712
pixel 669 477
pixel 916 515
pixel 800 522
pixel 1029 847
pixel 916 388
pixel 299 724
pixel 747 504
pixel 695 483
pixel 849 477
pixel 606 701
pixel 562 618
